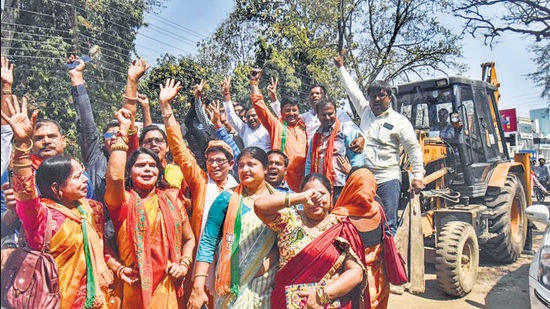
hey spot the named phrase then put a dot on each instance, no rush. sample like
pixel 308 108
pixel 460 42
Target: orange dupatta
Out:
pixel 328 164
pixel 358 197
pixel 227 278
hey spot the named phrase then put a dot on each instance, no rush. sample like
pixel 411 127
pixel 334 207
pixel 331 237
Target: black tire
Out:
pixel 457 258
pixel 507 219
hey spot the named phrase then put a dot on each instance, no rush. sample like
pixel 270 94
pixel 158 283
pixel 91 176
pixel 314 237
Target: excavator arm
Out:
pixel 489 74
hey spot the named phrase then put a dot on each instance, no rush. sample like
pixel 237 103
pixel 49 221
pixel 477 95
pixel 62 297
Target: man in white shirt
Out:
pixel 252 132
pixel 386 133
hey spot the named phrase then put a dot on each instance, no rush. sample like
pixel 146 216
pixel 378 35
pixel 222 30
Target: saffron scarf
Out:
pixel 139 231
pixel 228 276
pixel 97 273
pixel 316 145
pixel 358 197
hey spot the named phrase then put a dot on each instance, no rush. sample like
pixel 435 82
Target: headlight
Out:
pixel 544 266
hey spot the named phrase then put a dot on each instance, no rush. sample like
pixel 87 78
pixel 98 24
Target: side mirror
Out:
pixel 539 213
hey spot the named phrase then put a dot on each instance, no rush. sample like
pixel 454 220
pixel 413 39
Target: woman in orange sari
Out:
pixel 357 202
pixel 153 234
pixel 77 223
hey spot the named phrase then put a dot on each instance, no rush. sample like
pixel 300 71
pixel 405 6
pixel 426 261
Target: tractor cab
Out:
pixel 457 122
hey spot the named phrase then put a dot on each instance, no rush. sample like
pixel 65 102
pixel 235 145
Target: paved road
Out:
pixel 497 287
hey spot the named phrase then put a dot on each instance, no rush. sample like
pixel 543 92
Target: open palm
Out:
pixel 19 121
pixel 169 91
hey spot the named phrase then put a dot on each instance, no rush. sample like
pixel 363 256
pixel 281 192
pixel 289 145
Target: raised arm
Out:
pixel 268 120
pixel 89 139
pixel 182 155
pixel 114 178
pixel 350 85
pixel 221 131
pixel 7 134
pixel 135 71
pixel 200 109
pixel 22 128
pixel 143 102
pixel 232 116
pixel 267 207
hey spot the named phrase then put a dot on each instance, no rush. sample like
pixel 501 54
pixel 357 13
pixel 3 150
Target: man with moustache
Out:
pixel 386 132
pixel 277 165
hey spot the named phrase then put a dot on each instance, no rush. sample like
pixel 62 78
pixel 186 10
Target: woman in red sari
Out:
pixel 357 202
pixel 320 256
pixel 153 234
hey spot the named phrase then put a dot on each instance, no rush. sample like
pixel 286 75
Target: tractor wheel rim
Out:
pixel 515 220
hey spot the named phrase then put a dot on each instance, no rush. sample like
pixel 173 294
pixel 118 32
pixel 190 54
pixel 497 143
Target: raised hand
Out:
pixel 169 91
pixel 255 74
pixel 77 73
pixel 226 85
pixel 7 71
pixel 143 100
pixel 339 60
pixel 18 119
pixel 216 118
pixel 198 88
pixel 137 69
pixel 272 89
pixel 124 118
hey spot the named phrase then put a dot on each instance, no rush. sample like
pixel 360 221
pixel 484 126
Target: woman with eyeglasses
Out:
pixel 320 256
pixel 246 263
pixel 153 234
pixel 76 223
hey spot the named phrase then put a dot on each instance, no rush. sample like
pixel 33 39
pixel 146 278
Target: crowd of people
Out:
pixel 233 207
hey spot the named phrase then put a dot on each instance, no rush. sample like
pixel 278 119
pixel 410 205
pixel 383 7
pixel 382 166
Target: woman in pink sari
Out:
pixel 321 257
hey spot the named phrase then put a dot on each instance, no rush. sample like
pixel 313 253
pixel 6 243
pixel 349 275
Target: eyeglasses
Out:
pixel 380 96
pixel 217 161
pixel 109 135
pixel 157 140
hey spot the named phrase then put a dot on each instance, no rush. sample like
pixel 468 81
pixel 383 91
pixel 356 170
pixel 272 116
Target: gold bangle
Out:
pixel 323 295
pixel 186 259
pixel 254 83
pixel 132 131
pixel 21 165
pixel 167 115
pixel 24 150
pixel 129 98
pixel 287 200
pixel 119 147
pixel 200 275
pixel 8 92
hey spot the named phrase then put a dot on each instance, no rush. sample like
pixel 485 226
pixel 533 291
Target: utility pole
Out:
pixel 74 30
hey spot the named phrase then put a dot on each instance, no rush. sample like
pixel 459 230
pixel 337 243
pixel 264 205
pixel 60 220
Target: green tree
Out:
pixel 530 18
pixel 296 40
pixel 184 69
pixel 38 35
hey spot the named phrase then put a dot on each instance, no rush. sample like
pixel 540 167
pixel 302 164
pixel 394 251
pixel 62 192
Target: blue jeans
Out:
pixel 389 192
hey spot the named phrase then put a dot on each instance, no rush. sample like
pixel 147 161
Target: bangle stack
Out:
pixel 119 147
pixel 132 131
pixel 119 270
pixel 123 136
pixel 322 295
pixel 254 83
pixel 186 261
pixel 25 150
pixel 6 92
